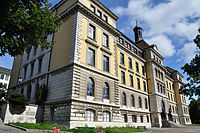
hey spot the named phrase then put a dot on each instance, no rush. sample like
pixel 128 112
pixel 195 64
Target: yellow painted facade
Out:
pixel 98 48
pixel 15 71
pixel 170 90
pixel 61 51
pixel 125 68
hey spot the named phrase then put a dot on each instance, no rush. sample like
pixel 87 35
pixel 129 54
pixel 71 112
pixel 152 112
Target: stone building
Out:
pixel 96 76
pixel 4 77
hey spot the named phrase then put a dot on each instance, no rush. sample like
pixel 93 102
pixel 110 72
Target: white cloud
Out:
pixel 187 52
pixel 172 18
pixel 164 44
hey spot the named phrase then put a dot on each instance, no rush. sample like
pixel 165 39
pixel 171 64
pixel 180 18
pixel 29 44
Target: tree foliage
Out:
pixel 25 23
pixel 193 71
pixel 18 99
pixel 194 109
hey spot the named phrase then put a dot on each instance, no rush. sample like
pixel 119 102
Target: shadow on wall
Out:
pixel 16 109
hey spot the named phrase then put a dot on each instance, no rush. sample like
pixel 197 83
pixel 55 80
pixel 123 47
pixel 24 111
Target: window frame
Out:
pixel 130 63
pixel 92 32
pixel 140 102
pixel 106 63
pixel 131 82
pixel 90 115
pixel 132 101
pixel 105 18
pixel 108 116
pixel 100 13
pixel 106 91
pixel 91 53
pixel 105 36
pixel 137 67
pixel 138 84
pixel 124 99
pixel 122 61
pixel 93 8
pixel 123 77
pixel 90 87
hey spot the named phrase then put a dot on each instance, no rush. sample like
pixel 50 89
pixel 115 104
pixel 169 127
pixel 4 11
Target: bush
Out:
pixel 18 100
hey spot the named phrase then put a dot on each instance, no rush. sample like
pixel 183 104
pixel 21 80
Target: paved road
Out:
pixel 188 129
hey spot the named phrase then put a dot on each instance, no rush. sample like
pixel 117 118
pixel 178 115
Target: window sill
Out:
pixel 92 42
pixel 122 66
pixel 91 98
pixel 106 50
pixel 106 100
pixel 131 71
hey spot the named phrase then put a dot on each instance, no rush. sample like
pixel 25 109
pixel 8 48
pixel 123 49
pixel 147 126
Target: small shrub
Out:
pixel 18 100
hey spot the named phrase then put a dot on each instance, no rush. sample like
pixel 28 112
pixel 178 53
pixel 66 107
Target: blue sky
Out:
pixel 170 24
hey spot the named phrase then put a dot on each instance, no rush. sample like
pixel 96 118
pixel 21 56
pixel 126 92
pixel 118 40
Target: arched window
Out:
pixel 106 116
pixel 132 101
pixel 90 87
pixel 106 91
pixel 123 99
pixel 90 115
pixel 146 104
pixel 140 102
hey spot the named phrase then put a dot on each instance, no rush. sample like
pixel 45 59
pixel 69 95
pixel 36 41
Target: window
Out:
pixel 147 119
pixel 106 63
pixel 122 58
pixel 91 57
pixel 138 83
pixel 22 91
pixel 7 77
pixel 92 31
pixel 28 54
pixel 106 116
pixel 99 13
pixel 134 118
pixel 29 88
pixel 156 72
pixel 164 89
pixel 131 80
pixel 5 85
pixel 132 101
pixel 125 118
pixel 2 76
pixel 161 75
pixel 106 91
pixel 170 86
pixel 146 104
pixel 145 88
pixel 130 63
pixel 123 77
pixel 25 70
pixel 168 96
pixel 140 102
pixel 92 8
pixel 35 50
pixel 105 18
pixel 143 70
pixel 158 87
pixel 123 99
pixel 141 119
pixel 137 67
pixel 40 65
pixel 89 115
pixel 90 87
pixel 105 40
pixel 161 91
pixel 171 97
pixel 167 84
pixel 32 68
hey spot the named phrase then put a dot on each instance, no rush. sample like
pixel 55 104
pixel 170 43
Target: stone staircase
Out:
pixel 175 125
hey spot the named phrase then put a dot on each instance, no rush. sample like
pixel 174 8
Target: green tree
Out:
pixel 25 23
pixel 193 71
pixel 194 109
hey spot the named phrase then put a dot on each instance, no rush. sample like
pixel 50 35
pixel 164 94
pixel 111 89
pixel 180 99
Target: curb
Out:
pixel 22 128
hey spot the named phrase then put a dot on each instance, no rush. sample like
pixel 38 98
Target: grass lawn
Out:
pixel 40 126
pixel 45 126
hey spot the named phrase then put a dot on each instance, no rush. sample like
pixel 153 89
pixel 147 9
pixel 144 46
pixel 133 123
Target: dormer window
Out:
pixel 92 8
pixel 105 18
pixel 99 13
